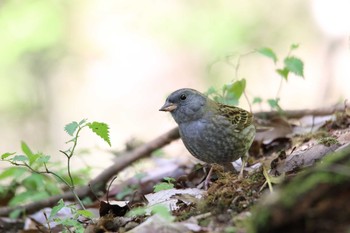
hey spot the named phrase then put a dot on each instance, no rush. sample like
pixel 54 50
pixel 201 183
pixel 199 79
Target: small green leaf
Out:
pixel 158 153
pixel 70 222
pixel 28 196
pixel 126 191
pixel 294 65
pixel 28 152
pixel 56 209
pixel 83 121
pixel 275 105
pixel 140 175
pixel 219 98
pixel 5 155
pixel 283 72
pixel 101 129
pixel 16 213
pixel 268 53
pixel 169 179
pixel 211 91
pixel 257 100
pixel 85 213
pixel 231 229
pixel 44 159
pixel 13 172
pixel 71 128
pixel 20 158
pixel 163 211
pixel 234 91
pixel 34 182
pixel 52 188
pixel 294 46
pixel 138 211
pixel 162 186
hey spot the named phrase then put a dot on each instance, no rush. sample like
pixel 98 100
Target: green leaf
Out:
pixel 101 129
pixel 44 159
pixel 158 153
pixel 211 91
pixel 56 209
pixel 234 91
pixel 257 100
pixel 275 105
pixel 140 175
pixel 28 152
pixel 126 191
pixel 52 187
pixel 268 53
pixel 13 172
pixel 83 121
pixel 169 179
pixel 162 211
pixel 162 186
pixel 283 72
pixel 85 213
pixel 16 213
pixel 5 155
pixel 294 46
pixel 71 128
pixel 219 98
pixel 69 222
pixel 294 65
pixel 28 196
pixel 138 211
pixel 20 158
pixel 34 182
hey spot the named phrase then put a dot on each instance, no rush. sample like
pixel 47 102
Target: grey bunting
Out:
pixel 212 132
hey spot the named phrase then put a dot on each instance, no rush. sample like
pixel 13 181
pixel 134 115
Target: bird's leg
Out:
pixel 244 162
pixel 207 179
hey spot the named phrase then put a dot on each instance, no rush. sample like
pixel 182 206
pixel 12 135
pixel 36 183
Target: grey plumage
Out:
pixel 211 131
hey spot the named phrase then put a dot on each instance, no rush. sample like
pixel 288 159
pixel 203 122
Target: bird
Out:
pixel 211 131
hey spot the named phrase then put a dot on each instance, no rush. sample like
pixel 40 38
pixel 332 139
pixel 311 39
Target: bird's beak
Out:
pixel 168 107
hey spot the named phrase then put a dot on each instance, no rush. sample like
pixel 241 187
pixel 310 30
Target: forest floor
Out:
pixel 296 180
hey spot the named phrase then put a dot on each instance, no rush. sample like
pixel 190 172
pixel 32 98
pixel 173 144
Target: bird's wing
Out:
pixel 238 117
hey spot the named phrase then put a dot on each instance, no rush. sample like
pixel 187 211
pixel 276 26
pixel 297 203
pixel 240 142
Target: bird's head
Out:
pixel 185 105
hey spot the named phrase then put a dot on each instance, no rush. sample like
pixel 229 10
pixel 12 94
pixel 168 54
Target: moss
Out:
pixel 328 141
pixel 303 185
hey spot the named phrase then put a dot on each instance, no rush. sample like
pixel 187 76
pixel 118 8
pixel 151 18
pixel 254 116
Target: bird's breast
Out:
pixel 215 142
pixel 193 130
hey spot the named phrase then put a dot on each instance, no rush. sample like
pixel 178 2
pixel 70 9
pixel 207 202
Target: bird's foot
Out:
pixel 207 179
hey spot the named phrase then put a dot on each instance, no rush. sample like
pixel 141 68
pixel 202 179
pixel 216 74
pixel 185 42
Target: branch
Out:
pixel 100 181
pixel 303 112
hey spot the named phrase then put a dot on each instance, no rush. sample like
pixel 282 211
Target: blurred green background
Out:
pixel 116 61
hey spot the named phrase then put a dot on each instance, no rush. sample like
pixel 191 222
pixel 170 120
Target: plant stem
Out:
pixel 69 156
pixel 279 89
pixel 246 97
pixel 77 198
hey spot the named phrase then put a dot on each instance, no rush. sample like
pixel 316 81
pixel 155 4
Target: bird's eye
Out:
pixel 183 97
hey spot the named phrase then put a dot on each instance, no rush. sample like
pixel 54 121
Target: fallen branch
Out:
pixel 100 181
pixel 303 112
